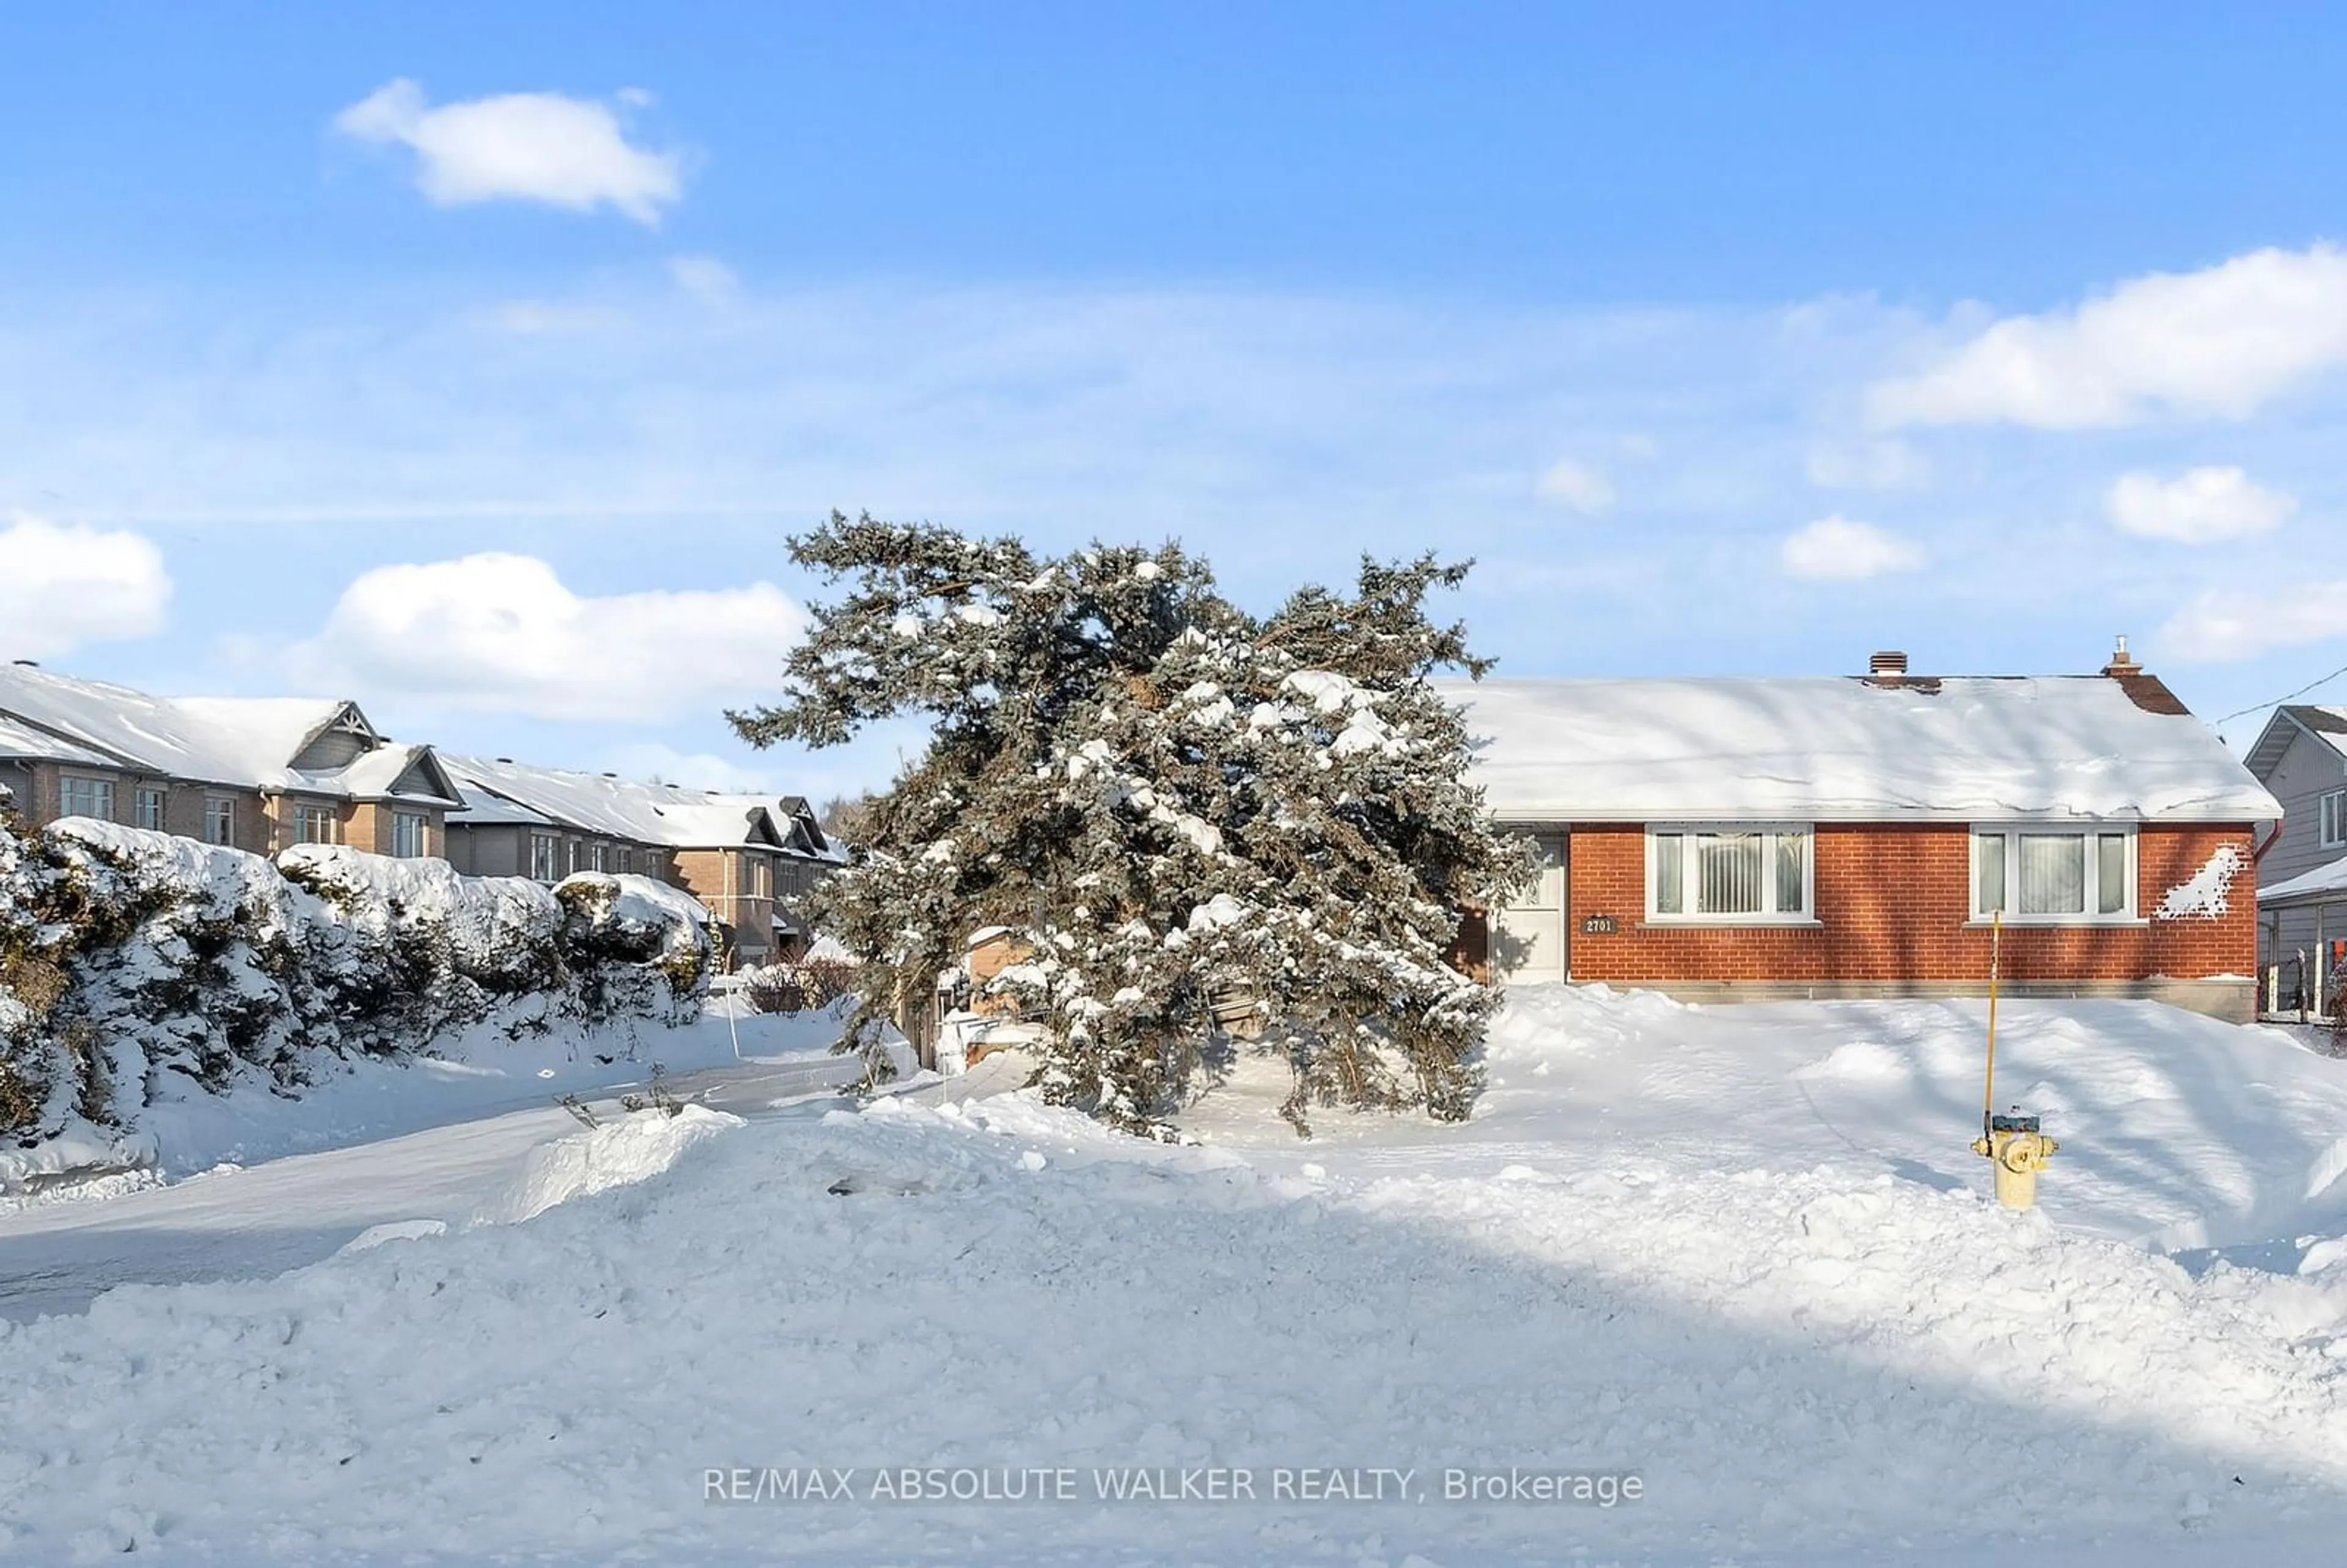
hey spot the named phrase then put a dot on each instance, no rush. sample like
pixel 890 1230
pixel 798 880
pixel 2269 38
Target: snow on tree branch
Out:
pixel 1117 749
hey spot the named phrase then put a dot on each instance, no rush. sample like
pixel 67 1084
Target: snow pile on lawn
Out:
pixel 2178 1131
pixel 133 963
pixel 1737 1252
pixel 1821 1365
pixel 613 1156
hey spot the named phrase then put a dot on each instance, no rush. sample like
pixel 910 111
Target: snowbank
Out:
pixel 1801 1364
pixel 2178 1131
pixel 135 965
pixel 615 1155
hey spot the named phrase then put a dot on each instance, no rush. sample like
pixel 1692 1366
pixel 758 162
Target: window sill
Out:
pixel 1731 923
pixel 2061 923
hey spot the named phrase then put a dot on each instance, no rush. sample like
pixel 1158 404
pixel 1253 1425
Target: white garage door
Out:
pixel 1528 943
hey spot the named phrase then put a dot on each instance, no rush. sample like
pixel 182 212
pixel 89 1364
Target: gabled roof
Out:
pixel 612 808
pixel 246 742
pixel 2291 720
pixel 275 731
pixel 390 772
pixel 803 834
pixel 1847 749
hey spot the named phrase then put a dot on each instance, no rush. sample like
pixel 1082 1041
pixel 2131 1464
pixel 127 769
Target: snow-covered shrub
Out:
pixel 33 1066
pixel 410 948
pixel 808 985
pixel 127 955
pixel 639 949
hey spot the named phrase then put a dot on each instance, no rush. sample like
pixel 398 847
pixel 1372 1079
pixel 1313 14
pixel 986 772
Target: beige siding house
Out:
pixel 258 775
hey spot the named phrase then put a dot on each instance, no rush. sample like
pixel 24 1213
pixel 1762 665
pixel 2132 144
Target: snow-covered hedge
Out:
pixel 127 955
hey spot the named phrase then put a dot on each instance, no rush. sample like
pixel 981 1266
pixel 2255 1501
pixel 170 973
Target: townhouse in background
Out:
pixel 750 859
pixel 1856 836
pixel 262 775
pixel 255 773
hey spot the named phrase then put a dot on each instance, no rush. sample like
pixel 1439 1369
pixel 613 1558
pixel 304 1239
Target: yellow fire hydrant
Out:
pixel 2016 1149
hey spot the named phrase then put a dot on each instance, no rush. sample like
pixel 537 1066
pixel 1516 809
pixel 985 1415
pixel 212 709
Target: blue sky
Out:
pixel 474 361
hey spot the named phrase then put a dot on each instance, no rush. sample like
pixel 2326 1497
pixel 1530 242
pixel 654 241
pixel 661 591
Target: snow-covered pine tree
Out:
pixel 1168 802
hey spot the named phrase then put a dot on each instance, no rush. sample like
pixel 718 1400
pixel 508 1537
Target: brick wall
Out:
pixel 367 824
pixel 1893 903
pixel 183 804
pixel 722 880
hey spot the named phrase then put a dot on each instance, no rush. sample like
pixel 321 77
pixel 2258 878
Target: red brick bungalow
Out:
pixel 1851 837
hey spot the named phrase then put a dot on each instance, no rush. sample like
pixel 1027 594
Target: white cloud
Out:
pixel 501 633
pixel 655 760
pixel 705 278
pixel 1883 463
pixel 2197 507
pixel 1581 487
pixel 524 146
pixel 2220 342
pixel 2233 623
pixel 61 587
pixel 1838 548
pixel 534 318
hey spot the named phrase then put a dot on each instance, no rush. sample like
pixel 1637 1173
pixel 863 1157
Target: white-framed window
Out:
pixel 407 834
pixel 147 807
pixel 2054 876
pixel 544 861
pixel 220 819
pixel 2331 816
pixel 80 795
pixel 1740 872
pixel 602 858
pixel 314 825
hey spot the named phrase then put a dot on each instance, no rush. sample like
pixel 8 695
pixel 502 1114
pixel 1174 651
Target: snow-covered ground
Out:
pixel 250 1184
pixel 1740 1254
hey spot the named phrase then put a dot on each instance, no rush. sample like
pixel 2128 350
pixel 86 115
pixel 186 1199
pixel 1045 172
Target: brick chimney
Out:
pixel 1887 667
pixel 2146 691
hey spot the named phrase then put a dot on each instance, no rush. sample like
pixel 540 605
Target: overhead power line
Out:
pixel 2278 702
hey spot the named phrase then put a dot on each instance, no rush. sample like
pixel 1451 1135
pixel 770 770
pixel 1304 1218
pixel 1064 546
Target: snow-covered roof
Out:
pixel 2319 885
pixel 251 743
pixel 484 809
pixel 1845 749
pixel 22 743
pixel 613 807
pixel 381 774
pixel 802 836
pixel 266 731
